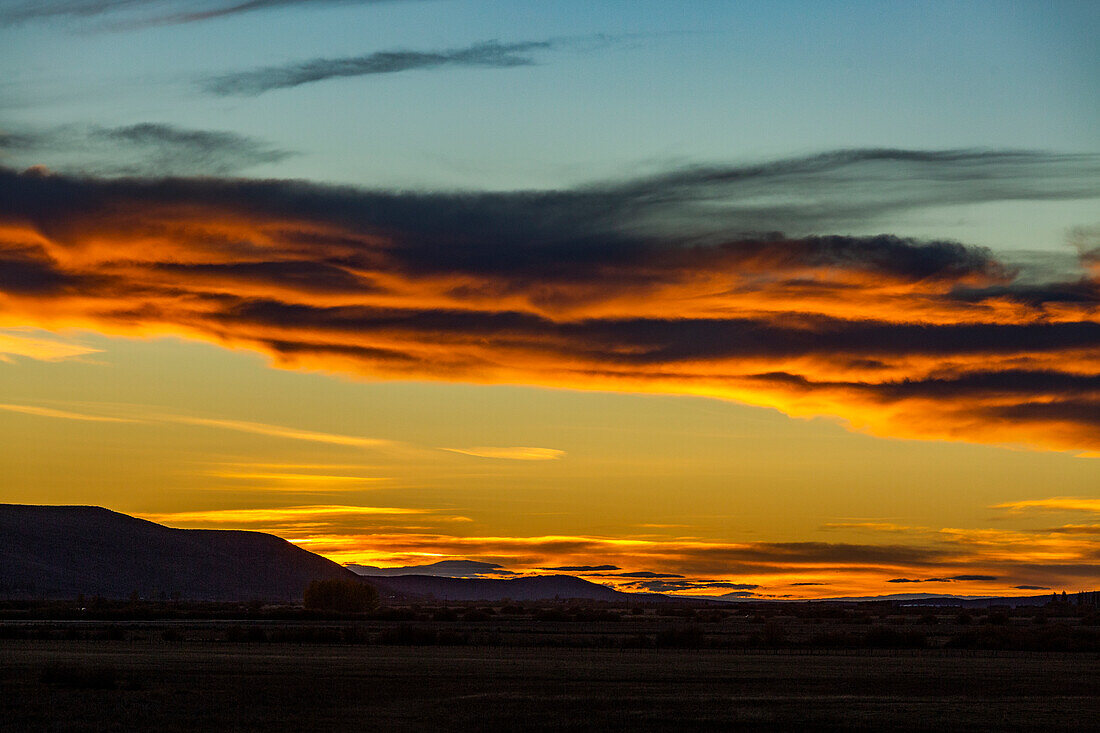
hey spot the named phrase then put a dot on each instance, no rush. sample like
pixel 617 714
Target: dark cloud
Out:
pixel 735 586
pixel 1031 587
pixel 797 584
pixel 836 189
pixel 644 574
pixel 949 579
pixel 582 568
pixel 613 286
pixel 152 12
pixel 1086 529
pixel 489 54
pixel 24 271
pixel 146 148
pixel 669 585
pixel 973 577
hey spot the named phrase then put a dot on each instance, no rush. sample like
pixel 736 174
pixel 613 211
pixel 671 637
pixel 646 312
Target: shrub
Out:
pixel 346 596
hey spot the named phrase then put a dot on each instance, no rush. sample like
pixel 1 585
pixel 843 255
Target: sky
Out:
pixel 777 300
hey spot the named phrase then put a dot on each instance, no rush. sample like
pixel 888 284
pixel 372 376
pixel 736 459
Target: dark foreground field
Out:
pixel 192 686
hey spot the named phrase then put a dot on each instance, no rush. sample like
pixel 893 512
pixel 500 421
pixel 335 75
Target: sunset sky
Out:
pixel 781 299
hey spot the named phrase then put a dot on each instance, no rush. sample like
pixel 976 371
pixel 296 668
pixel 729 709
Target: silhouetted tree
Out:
pixel 349 596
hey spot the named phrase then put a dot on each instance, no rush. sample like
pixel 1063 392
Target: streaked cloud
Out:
pixel 488 54
pixel 131 13
pixel 146 148
pixel 516 453
pixel 1076 529
pixel 255 473
pixel 869 526
pixel 279 431
pixel 291 515
pixel 648 285
pixel 14 342
pixel 951 579
pixel 60 414
pixel 290 483
pixel 294 477
pixel 1053 504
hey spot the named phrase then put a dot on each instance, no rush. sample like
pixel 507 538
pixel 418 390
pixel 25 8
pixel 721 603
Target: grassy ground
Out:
pixel 191 686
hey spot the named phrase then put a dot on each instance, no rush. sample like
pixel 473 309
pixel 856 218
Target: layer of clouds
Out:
pixel 489 54
pixel 148 148
pixel 953 578
pixel 985 560
pixel 622 286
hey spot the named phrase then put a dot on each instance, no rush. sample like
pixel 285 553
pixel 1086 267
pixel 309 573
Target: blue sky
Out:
pixel 628 88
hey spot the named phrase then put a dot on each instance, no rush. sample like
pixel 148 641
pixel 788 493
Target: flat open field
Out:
pixel 191 686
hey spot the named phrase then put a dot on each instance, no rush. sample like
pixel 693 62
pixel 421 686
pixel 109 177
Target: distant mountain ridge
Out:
pixel 528 588
pixel 443 569
pixel 63 551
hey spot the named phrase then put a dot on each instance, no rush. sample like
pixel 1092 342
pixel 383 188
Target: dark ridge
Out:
pixel 537 588
pixel 64 551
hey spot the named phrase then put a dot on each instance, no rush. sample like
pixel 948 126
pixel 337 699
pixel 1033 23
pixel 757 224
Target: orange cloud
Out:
pixel 1053 504
pixel 975 561
pixel 892 337
pixel 279 431
pixel 281 515
pixel 60 414
pixel 22 344
pixel 517 453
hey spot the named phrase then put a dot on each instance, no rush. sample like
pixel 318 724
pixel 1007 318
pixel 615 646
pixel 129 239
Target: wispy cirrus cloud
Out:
pixel 295 515
pixel 60 414
pixel 951 579
pixel 1053 504
pixel 488 54
pixel 321 478
pixel 146 148
pixel 279 431
pixel 647 285
pixel 241 426
pixel 138 13
pixel 40 346
pixel 514 453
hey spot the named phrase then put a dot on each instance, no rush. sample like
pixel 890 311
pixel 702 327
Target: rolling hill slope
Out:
pixel 537 588
pixel 63 551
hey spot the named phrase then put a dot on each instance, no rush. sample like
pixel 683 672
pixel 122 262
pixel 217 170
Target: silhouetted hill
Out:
pixel 537 588
pixel 62 551
pixel 443 569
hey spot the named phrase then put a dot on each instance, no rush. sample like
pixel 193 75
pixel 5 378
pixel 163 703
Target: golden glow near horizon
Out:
pixel 681 494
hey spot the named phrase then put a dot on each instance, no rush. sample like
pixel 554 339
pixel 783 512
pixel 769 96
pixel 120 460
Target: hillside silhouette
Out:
pixel 64 551
pixel 531 588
